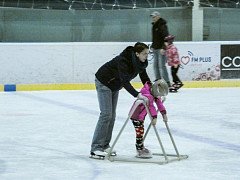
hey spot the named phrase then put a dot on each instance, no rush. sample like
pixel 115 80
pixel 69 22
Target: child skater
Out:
pixel 155 93
pixel 173 61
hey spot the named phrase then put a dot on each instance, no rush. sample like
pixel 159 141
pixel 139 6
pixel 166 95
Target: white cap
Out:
pixel 155 13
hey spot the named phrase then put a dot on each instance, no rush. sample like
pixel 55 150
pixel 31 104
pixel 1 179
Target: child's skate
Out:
pixel 144 153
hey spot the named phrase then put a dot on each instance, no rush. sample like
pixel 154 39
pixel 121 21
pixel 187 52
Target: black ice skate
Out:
pixel 173 89
pixel 178 85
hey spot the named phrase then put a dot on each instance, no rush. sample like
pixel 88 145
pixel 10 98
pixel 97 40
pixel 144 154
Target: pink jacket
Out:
pixel 172 55
pixel 141 112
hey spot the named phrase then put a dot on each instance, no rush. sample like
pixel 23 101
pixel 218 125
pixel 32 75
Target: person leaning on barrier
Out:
pixel 110 78
pixel 159 32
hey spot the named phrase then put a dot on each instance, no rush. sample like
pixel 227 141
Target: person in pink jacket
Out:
pixel 173 61
pixel 139 114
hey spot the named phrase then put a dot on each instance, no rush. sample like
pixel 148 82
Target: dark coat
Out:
pixel 118 72
pixel 159 32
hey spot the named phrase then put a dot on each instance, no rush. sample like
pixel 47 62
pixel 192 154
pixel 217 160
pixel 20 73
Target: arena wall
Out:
pixel 51 66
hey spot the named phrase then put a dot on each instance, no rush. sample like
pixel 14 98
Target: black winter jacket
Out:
pixel 118 72
pixel 159 32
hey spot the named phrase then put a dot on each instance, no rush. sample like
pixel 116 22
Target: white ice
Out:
pixel 47 135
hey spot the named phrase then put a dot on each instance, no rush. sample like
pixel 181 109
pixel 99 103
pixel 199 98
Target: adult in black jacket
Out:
pixel 159 32
pixel 110 78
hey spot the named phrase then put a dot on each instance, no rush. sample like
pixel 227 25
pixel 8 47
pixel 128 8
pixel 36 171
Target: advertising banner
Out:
pixel 200 62
pixel 230 61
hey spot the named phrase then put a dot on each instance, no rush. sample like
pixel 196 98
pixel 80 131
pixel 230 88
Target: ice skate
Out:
pixel 98 155
pixel 173 89
pixel 178 85
pixel 113 153
pixel 144 153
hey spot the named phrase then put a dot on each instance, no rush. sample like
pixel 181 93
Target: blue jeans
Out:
pixel 108 103
pixel 159 66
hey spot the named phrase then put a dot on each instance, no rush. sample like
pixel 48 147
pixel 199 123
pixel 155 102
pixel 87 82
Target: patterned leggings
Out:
pixel 139 128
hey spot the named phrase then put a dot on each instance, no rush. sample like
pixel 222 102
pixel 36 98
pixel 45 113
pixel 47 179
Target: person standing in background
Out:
pixel 159 32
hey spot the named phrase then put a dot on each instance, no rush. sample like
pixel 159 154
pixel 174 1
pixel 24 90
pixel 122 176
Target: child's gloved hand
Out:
pixel 165 118
pixel 144 98
pixel 163 98
pixel 154 121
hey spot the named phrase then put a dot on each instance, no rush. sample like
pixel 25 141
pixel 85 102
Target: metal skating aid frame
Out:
pixel 167 158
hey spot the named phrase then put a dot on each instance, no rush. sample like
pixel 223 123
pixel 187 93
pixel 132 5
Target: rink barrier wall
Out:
pixel 72 66
pixel 91 86
pixel 1 87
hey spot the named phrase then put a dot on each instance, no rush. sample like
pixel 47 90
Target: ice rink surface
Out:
pixel 47 135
